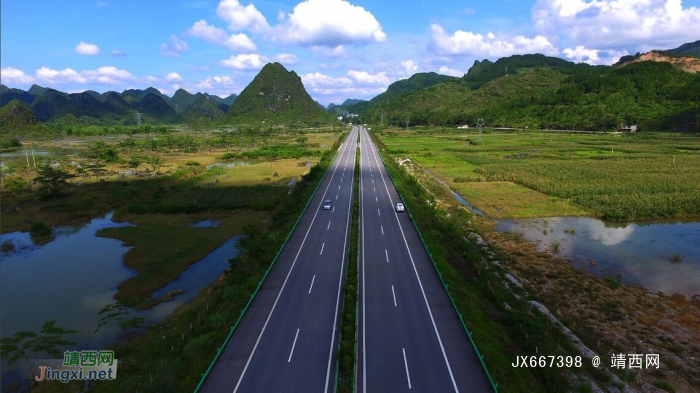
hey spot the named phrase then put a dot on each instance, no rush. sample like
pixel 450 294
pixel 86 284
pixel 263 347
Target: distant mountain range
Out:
pixel 658 91
pixel 91 107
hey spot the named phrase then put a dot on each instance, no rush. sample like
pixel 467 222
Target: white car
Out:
pixel 327 204
pixel 399 207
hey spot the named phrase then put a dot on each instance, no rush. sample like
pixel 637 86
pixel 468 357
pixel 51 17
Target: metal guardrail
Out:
pixel 272 264
pixel 464 325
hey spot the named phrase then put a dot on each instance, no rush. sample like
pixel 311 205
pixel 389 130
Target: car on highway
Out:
pixel 327 204
pixel 399 207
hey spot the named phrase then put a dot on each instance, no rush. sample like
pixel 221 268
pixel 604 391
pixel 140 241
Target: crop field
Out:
pixel 518 174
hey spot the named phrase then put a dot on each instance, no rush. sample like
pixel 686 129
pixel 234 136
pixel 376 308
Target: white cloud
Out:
pixel 317 81
pixel 175 47
pixel 66 75
pixel 217 36
pixel 10 76
pixel 329 23
pixel 251 61
pixel 83 48
pixel 118 53
pixel 103 75
pixel 336 52
pixel 410 67
pixel 287 58
pixel 173 76
pixel 466 43
pixel 365 78
pixel 240 17
pixel 219 85
pixel 445 70
pixel 618 24
pixel 581 54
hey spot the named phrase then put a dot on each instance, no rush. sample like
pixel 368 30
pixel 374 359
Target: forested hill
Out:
pixel 545 92
pixel 276 96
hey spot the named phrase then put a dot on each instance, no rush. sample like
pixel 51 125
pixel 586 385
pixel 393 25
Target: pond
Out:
pixel 48 282
pixel 20 153
pixel 660 256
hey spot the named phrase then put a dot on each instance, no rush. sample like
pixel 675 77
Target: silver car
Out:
pixel 327 204
pixel 399 207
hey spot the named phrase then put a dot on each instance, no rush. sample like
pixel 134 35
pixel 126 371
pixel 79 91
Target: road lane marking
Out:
pixel 408 376
pixel 420 284
pixel 333 211
pixel 375 198
pixel 284 284
pixel 339 187
pixel 340 279
pixel 372 181
pixel 322 245
pixel 394 295
pixel 382 226
pixel 329 225
pixel 378 212
pixel 294 344
pixel 375 189
pixel 312 285
pixel 386 254
pixel 336 196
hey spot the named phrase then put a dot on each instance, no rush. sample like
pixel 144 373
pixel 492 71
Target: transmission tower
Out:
pixel 138 118
pixel 480 126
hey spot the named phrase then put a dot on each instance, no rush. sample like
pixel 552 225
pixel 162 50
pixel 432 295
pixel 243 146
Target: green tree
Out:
pixel 96 169
pixel 135 161
pixel 51 180
pixel 26 345
pixel 118 312
pixel 155 161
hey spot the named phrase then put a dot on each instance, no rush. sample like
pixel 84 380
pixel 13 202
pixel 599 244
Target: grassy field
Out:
pixel 172 355
pixel 518 174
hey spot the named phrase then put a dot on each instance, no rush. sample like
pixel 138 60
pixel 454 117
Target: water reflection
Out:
pixel 74 276
pixel 641 252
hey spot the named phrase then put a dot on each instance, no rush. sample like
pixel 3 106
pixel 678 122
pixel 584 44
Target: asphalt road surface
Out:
pixel 287 340
pixel 410 337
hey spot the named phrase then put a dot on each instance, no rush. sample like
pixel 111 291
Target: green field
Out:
pixel 518 174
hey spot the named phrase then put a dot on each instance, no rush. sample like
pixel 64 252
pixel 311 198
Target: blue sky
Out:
pixel 340 49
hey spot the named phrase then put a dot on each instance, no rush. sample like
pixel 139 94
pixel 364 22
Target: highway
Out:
pixel 287 340
pixel 410 336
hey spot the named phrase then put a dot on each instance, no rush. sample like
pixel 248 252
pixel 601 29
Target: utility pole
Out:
pixel 382 122
pixel 138 118
pixel 26 155
pixel 506 71
pixel 407 121
pixel 33 160
pixel 480 125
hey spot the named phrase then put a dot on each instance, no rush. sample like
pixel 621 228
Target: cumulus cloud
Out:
pixel 329 23
pixel 618 24
pixel 445 70
pixel 220 85
pixel 581 54
pixel 335 52
pixel 466 43
pixel 217 36
pixel 410 67
pixel 365 78
pixel 240 17
pixel 173 76
pixel 251 61
pixel 175 47
pixel 13 76
pixel 83 48
pixel 287 58
pixel 109 75
pixel 318 80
